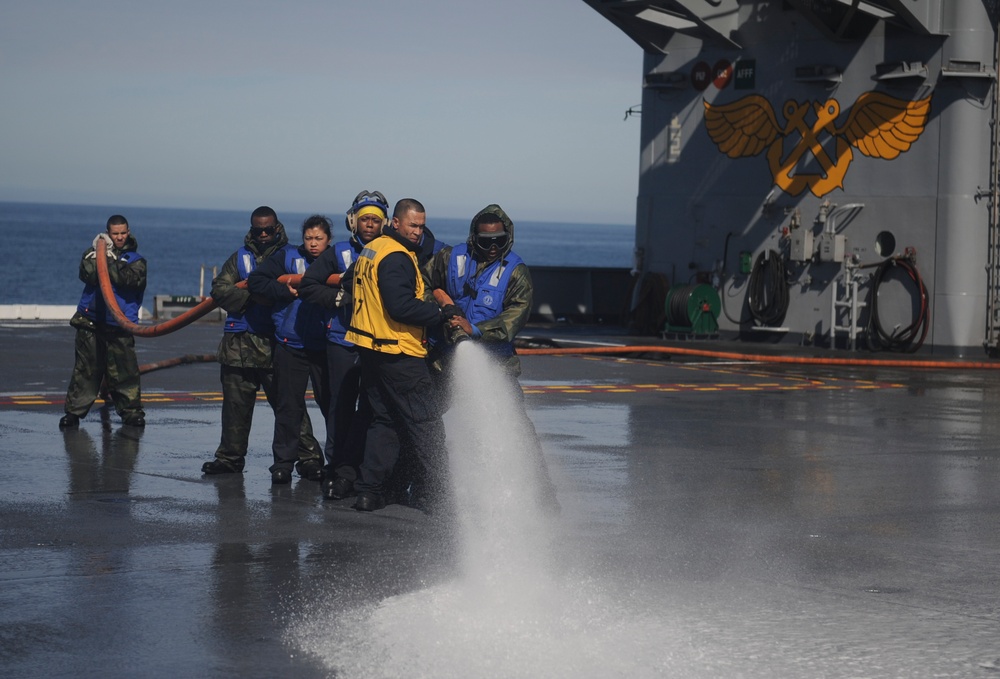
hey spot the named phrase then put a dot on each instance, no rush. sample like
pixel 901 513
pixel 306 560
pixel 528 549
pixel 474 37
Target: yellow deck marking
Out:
pixel 792 383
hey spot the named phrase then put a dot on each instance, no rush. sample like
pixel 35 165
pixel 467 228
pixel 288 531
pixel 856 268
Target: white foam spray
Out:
pixel 511 613
pixel 504 536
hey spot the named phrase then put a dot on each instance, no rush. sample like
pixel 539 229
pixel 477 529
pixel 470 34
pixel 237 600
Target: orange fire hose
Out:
pixel 178 322
pixel 764 358
pixel 442 299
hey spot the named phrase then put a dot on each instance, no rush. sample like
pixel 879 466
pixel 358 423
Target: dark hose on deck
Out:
pixel 186 359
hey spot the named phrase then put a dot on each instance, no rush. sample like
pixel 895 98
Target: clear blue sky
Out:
pixel 301 104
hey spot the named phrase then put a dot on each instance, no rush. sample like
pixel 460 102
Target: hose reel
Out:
pixel 693 309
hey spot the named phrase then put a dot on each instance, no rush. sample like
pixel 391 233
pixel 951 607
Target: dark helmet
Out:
pixel 365 199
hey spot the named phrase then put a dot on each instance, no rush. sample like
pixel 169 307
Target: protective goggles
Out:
pixel 487 240
pixel 373 198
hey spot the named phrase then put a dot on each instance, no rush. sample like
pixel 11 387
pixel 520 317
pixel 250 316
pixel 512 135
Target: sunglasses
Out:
pixel 488 240
pixel 262 230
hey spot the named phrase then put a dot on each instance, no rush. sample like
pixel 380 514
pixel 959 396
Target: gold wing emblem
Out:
pixel 881 126
pixel 742 128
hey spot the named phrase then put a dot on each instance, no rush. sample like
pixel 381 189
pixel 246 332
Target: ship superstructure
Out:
pixel 827 167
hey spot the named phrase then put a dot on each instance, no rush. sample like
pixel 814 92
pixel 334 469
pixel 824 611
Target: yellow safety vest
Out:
pixel 371 327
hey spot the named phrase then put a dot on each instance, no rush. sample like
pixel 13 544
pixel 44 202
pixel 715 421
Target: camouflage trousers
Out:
pixel 104 354
pixel 239 396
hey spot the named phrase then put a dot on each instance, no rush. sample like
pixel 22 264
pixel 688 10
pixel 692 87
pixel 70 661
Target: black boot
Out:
pixel 337 488
pixel 69 421
pixel 311 469
pixel 369 502
pixel 220 466
pixel 134 421
pixel 280 476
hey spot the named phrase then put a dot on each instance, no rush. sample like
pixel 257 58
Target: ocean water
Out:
pixel 45 242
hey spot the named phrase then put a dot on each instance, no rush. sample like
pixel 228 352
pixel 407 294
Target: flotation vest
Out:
pixel 129 301
pixel 256 318
pixel 480 297
pixel 337 320
pixel 298 324
pixel 371 327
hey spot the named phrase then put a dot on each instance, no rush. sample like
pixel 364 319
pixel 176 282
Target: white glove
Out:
pixel 107 240
pixel 344 298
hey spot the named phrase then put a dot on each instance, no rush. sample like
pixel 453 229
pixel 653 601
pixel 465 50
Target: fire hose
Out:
pixel 911 337
pixel 764 358
pixel 455 334
pixel 443 299
pixel 676 351
pixel 178 322
pixel 440 295
pixel 186 359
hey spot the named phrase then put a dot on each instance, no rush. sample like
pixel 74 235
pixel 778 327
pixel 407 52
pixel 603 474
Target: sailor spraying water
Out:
pixel 491 285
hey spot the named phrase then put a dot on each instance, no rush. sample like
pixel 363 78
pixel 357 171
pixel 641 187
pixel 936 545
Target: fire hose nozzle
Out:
pixel 454 335
pixel 457 335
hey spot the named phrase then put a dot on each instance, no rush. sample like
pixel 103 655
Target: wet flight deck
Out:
pixel 719 519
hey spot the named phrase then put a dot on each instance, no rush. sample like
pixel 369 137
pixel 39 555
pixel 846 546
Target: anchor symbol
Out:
pixel 879 126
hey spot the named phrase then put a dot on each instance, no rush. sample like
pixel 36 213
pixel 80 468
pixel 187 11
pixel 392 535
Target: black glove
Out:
pixel 450 311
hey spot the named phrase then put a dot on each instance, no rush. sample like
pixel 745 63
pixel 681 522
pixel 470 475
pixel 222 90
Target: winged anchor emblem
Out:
pixel 879 126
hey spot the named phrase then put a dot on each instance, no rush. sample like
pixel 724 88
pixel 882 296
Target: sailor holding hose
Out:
pixel 247 347
pixel 491 286
pixel 348 415
pixel 388 322
pixel 299 353
pixel 104 350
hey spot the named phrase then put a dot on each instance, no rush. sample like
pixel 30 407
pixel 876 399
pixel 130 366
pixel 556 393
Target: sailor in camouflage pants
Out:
pixel 246 350
pixel 104 351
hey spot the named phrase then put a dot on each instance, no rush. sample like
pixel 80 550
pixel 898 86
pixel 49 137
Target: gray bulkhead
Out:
pixel 835 133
